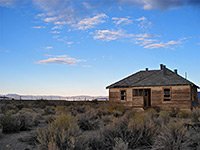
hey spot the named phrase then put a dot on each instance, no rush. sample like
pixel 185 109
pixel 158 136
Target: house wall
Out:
pixel 180 97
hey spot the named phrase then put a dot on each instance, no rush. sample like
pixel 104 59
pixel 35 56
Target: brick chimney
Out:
pixel 175 71
pixel 164 70
pixel 161 66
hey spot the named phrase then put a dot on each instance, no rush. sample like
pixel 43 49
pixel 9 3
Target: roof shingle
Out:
pixel 151 78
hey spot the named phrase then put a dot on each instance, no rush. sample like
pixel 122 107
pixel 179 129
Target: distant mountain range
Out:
pixel 53 97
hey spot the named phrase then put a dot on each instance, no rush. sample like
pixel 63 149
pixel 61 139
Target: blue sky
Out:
pixel 70 47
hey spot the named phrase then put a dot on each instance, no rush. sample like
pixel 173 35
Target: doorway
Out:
pixel 147 98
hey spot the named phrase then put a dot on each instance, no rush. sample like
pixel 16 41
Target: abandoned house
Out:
pixel 163 89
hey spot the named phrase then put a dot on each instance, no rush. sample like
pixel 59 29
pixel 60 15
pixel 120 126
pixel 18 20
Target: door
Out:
pixel 147 98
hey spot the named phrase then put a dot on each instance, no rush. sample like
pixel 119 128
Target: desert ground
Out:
pixel 61 125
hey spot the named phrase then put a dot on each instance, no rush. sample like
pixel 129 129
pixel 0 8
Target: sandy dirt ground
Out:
pixel 13 142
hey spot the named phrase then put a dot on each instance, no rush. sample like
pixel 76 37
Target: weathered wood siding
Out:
pixel 138 101
pixel 114 95
pixel 156 96
pixel 180 97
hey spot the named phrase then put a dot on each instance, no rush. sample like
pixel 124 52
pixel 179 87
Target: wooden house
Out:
pixel 162 88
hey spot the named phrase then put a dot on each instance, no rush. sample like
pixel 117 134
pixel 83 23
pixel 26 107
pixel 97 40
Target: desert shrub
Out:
pixel 61 109
pixel 105 120
pixel 8 107
pixel 49 110
pixel 150 113
pixel 102 111
pixel 10 124
pixel 89 141
pixel 136 132
pixel 194 142
pixel 1 130
pixel 11 112
pixel 41 103
pixel 60 134
pixel 81 109
pixel 120 144
pixel 173 136
pixel 26 120
pixel 49 118
pixel 114 107
pixel 183 114
pixel 89 120
pixel 164 116
pixel 143 130
pixel 174 112
pixel 117 113
pixel 20 106
pixel 195 115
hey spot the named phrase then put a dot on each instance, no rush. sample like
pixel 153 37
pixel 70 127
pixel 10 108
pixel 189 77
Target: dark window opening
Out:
pixel 138 92
pixel 167 94
pixel 123 94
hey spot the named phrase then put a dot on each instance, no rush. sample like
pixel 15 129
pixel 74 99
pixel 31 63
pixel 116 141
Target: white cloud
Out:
pixel 60 59
pixel 109 35
pixel 51 19
pixel 144 23
pixel 144 41
pixel 39 27
pixel 165 45
pixel 48 47
pixel 56 27
pixel 69 43
pixel 86 66
pixel 90 22
pixel 141 19
pixel 145 35
pixel 118 21
pixel 87 5
pixel 55 32
pixel 156 45
pixel 173 42
pixel 162 4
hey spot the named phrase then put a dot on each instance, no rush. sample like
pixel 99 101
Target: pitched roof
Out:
pixel 152 78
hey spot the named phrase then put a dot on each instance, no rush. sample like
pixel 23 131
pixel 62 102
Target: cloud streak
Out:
pixel 38 27
pixel 60 59
pixel 109 35
pixel 169 44
pixel 161 4
pixel 88 23
pixel 123 21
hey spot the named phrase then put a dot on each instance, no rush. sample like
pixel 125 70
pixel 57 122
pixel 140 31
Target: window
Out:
pixel 138 92
pixel 167 94
pixel 123 94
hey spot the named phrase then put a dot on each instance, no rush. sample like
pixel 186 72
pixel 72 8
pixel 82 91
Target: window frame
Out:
pixel 123 95
pixel 170 96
